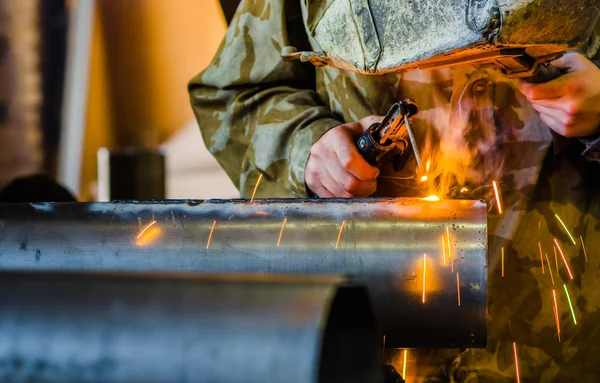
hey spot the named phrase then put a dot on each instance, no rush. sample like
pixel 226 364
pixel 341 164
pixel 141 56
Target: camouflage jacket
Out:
pixel 260 115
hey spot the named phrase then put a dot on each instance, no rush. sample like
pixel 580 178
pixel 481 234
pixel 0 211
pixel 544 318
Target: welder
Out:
pixel 297 126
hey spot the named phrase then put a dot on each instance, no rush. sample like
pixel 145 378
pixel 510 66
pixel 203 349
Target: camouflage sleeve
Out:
pixel 592 51
pixel 257 113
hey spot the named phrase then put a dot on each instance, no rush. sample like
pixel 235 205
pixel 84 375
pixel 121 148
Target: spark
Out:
pixel 444 250
pixel 145 228
pixel 424 178
pixel 281 231
pixel 340 234
pixel 583 245
pixel 502 261
pixel 570 305
pixel 498 202
pixel 556 314
pixel 383 351
pixel 432 198
pixel 541 257
pixel 427 166
pixel 424 274
pixel 555 260
pixel 211 233
pixel 404 365
pixel 549 268
pixel 449 249
pixel 464 190
pixel 567 230
pixel 516 362
pixel 148 236
pixel 563 258
pixel 458 288
pixel 256 187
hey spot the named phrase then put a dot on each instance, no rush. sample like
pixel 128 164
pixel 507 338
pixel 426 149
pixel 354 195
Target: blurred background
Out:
pixel 80 75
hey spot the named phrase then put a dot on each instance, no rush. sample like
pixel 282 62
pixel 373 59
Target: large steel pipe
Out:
pixel 87 327
pixel 434 300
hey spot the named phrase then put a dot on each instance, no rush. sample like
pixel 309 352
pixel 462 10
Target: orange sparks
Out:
pixel 256 187
pixel 583 246
pixel 556 314
pixel 281 231
pixel 464 190
pixel 563 258
pixel 502 261
pixel 541 257
pixel 211 233
pixel 549 268
pixel 458 288
pixel 340 234
pixel 427 166
pixel 498 201
pixel 148 236
pixel 516 363
pixel 424 274
pixel 404 365
pixel 145 228
pixel 449 249
pixel 444 250
pixel 424 178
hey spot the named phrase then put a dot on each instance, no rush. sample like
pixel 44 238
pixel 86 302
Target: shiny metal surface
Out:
pixel 382 243
pixel 91 327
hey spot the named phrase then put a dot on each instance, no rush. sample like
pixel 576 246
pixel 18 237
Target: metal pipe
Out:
pixel 91 327
pixel 379 242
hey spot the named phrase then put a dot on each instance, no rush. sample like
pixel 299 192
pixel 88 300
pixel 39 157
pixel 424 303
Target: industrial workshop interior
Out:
pixel 257 191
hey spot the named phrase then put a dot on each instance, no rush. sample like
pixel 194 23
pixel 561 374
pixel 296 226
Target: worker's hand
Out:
pixel 569 104
pixel 335 168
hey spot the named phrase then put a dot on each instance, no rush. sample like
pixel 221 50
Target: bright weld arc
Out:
pixel 210 234
pixel 256 187
pixel 570 305
pixel 424 274
pixel 281 231
pixel 541 257
pixel 516 362
pixel 583 246
pixel 549 268
pixel 340 234
pixel 567 230
pixel 556 314
pixel 497 192
pixel 563 258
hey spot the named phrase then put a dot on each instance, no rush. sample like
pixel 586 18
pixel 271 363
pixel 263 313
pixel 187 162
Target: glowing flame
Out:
pixel 431 198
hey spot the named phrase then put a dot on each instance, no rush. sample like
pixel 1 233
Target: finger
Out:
pixel 547 90
pixel 556 114
pixel 322 192
pixel 334 187
pixel 351 160
pixel 553 124
pixel 350 183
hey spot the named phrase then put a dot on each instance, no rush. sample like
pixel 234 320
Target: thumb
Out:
pixel 568 62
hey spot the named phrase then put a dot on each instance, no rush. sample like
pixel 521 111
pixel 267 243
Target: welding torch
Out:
pixel 389 139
